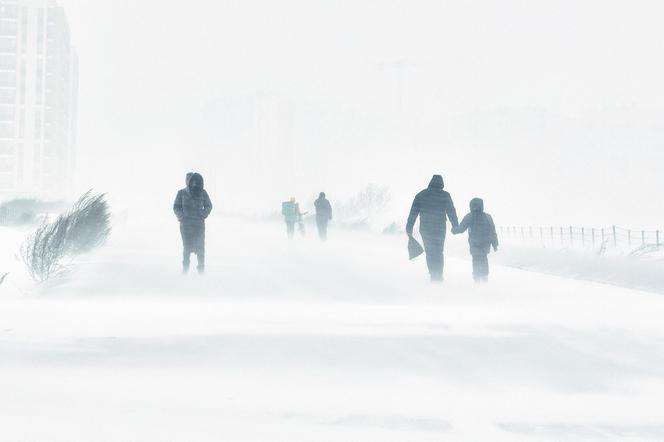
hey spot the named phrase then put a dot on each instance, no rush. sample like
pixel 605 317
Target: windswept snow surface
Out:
pixel 302 341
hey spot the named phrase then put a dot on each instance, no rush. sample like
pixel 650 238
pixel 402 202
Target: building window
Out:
pixel 6 165
pixel 8 11
pixel 7 113
pixel 8 62
pixel 6 147
pixel 6 130
pixel 8 79
pixel 8 45
pixel 7 96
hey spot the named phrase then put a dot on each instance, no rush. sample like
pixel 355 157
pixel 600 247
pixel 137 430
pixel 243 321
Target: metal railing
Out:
pixel 613 236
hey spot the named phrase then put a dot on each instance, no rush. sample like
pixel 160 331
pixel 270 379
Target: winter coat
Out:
pixel 192 204
pixel 433 205
pixel 323 210
pixel 481 229
pixel 291 212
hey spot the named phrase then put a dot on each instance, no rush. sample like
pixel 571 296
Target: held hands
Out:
pixel 455 230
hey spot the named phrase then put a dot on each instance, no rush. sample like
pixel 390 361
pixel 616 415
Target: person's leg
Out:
pixel 442 255
pixel 322 230
pixel 186 250
pixel 485 267
pixel 476 268
pixel 200 254
pixel 290 229
pixel 433 247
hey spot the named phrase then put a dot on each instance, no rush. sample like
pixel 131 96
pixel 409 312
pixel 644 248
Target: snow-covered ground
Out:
pixel 301 341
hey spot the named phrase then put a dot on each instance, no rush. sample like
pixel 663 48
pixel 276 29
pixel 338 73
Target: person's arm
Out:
pixel 451 213
pixel 412 216
pixel 329 209
pixel 207 204
pixel 177 206
pixel 465 223
pixel 494 235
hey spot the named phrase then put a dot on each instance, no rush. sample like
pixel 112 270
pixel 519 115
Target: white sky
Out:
pixel 151 64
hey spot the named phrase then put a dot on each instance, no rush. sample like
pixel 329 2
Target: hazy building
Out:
pixel 38 99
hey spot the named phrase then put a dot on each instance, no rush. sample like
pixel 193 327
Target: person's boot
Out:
pixel 201 270
pixel 185 268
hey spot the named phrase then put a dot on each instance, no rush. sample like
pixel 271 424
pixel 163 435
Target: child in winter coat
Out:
pixel 481 236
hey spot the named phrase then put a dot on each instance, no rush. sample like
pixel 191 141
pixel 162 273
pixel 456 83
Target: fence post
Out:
pixel 583 236
pixel 593 233
pixel 657 236
pixel 602 235
pixel 523 233
pixel 615 238
pixel 552 233
pixel 542 234
pixel 643 237
pixel 531 231
pixel 562 237
pixel 629 238
pixel 571 235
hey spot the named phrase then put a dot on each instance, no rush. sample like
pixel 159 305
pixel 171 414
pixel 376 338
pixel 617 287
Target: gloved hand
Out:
pixel 495 248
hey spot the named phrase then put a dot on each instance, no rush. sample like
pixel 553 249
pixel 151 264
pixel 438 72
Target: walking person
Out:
pixel 434 207
pixel 192 206
pixel 323 215
pixel 481 237
pixel 291 211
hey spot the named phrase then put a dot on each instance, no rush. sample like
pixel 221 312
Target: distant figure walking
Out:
pixel 192 206
pixel 434 206
pixel 481 236
pixel 323 215
pixel 292 215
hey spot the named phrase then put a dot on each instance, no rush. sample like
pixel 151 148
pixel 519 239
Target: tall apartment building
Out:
pixel 38 99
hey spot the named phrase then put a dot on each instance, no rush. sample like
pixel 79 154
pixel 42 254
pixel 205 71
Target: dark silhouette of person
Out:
pixel 323 215
pixel 192 206
pixel 434 206
pixel 292 215
pixel 481 237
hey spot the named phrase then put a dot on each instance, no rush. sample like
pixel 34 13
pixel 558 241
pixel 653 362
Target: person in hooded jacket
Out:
pixel 434 206
pixel 291 211
pixel 481 237
pixel 323 215
pixel 192 206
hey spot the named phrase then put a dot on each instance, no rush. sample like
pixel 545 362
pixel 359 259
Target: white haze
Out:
pixel 550 110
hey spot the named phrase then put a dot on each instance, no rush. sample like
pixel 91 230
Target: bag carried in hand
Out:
pixel 414 248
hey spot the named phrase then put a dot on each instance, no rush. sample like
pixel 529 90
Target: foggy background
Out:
pixel 551 111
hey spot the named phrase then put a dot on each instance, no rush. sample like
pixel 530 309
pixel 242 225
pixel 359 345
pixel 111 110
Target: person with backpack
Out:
pixel 291 211
pixel 434 206
pixel 481 237
pixel 191 207
pixel 323 215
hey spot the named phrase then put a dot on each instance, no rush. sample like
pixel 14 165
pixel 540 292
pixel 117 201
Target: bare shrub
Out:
pixel 48 252
pixel 365 204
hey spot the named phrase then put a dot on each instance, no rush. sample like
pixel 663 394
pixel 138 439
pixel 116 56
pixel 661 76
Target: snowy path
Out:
pixel 345 341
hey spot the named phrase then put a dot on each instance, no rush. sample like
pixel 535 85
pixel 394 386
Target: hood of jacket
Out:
pixel 436 182
pixel 195 183
pixel 476 205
